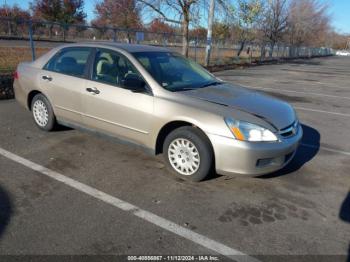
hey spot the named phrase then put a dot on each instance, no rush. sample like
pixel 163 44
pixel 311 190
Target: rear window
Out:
pixel 70 61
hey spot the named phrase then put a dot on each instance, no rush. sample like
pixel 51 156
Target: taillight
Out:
pixel 15 75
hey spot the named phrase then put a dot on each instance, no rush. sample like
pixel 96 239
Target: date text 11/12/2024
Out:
pixel 174 258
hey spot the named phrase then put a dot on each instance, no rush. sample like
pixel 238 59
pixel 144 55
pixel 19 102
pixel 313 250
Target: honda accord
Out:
pixel 159 100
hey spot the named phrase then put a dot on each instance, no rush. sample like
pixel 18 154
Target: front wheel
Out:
pixel 188 153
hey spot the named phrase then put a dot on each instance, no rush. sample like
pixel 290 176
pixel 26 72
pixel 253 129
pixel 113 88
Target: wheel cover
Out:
pixel 40 113
pixel 183 156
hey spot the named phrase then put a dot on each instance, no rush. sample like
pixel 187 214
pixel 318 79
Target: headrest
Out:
pixel 69 61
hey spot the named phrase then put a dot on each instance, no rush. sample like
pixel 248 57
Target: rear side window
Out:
pixel 70 61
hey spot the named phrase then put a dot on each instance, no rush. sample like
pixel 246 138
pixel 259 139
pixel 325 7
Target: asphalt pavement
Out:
pixel 73 193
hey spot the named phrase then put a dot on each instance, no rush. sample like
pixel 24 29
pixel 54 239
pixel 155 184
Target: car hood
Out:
pixel 274 111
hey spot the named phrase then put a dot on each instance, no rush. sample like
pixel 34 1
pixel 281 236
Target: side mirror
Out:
pixel 134 83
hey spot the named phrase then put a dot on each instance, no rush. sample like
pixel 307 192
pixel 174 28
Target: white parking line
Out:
pixel 321 111
pixel 304 108
pixel 298 92
pixel 327 149
pixel 317 84
pixel 143 214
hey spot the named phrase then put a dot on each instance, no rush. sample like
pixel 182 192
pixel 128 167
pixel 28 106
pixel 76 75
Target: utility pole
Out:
pixel 210 32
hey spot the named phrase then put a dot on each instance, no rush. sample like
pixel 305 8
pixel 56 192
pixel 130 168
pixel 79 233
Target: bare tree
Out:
pixel 274 23
pixel 308 23
pixel 175 11
pixel 339 41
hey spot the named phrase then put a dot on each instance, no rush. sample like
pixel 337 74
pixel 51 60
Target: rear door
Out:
pixel 63 80
pixel 109 106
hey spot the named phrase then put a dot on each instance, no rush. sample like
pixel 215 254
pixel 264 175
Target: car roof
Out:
pixel 131 48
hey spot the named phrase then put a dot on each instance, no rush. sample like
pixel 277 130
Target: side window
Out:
pixel 70 61
pixel 112 68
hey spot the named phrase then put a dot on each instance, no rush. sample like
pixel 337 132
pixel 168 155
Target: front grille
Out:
pixel 290 130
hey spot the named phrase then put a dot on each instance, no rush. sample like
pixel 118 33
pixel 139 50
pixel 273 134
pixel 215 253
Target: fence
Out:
pixel 41 34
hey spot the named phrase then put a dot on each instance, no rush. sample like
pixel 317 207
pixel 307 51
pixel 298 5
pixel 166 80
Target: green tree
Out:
pixel 118 13
pixel 17 14
pixel 249 13
pixel 61 11
pixel 221 31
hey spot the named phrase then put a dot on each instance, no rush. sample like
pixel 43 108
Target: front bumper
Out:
pixel 254 158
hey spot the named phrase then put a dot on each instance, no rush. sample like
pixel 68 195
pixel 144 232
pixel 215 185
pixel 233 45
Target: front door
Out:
pixel 111 107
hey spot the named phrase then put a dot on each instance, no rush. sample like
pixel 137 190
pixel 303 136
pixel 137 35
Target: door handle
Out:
pixel 48 78
pixel 93 90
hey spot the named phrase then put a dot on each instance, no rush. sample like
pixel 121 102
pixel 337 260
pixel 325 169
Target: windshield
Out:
pixel 175 72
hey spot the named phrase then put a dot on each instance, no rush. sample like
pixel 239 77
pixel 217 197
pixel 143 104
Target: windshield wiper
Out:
pixel 186 88
pixel 214 83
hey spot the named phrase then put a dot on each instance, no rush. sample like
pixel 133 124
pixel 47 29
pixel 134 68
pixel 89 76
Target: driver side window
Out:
pixel 112 68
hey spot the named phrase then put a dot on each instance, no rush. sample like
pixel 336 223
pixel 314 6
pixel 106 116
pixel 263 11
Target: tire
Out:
pixel 180 151
pixel 43 114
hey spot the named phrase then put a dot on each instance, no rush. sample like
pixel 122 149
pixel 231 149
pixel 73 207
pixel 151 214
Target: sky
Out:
pixel 339 11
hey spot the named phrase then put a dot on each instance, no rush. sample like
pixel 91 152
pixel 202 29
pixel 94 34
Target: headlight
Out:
pixel 245 131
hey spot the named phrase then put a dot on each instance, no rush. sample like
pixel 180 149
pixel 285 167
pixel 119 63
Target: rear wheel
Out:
pixel 188 153
pixel 42 112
